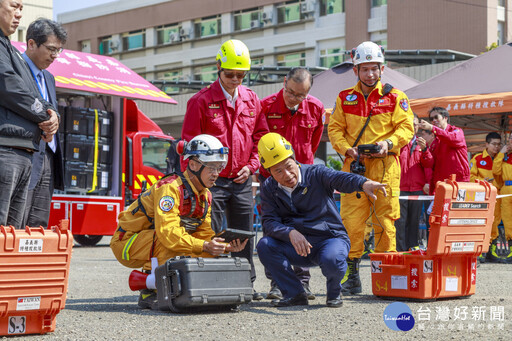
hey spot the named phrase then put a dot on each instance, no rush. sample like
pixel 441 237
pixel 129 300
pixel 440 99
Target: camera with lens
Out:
pixel 357 167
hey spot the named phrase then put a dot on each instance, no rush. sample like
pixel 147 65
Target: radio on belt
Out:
pixel 460 229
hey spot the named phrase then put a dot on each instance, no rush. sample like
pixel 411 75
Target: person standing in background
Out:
pixel 25 118
pixel 449 150
pixel 231 112
pixel 297 116
pixel 45 39
pixel 412 182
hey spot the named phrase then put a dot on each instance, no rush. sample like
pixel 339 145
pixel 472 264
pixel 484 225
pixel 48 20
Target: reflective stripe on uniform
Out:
pixel 126 249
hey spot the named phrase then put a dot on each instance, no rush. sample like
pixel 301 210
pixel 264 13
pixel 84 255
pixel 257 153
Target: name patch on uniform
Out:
pixel 213 106
pixel 349 102
pixel 275 116
pixel 166 203
pixel 404 104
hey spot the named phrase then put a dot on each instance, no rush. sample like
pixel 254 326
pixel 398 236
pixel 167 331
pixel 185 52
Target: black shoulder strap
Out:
pixel 191 224
pixel 385 90
pixel 141 207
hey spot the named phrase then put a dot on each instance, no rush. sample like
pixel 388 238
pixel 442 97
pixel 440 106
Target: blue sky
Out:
pixel 60 6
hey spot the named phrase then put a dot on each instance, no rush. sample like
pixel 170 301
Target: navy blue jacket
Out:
pixel 311 210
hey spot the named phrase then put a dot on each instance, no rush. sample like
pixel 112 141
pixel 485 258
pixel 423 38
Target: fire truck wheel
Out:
pixel 86 239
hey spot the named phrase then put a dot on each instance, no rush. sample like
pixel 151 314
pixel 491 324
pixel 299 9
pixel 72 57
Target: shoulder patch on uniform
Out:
pixel 166 203
pixel 404 104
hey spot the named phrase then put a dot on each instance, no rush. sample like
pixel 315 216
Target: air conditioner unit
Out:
pixel 114 44
pixel 174 37
pixel 255 23
pixel 267 16
pixel 307 7
pixel 184 34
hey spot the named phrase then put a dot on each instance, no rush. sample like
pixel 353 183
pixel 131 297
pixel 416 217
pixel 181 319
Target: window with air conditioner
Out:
pixel 331 57
pixel 105 45
pixel 134 40
pixel 292 59
pixel 168 34
pixel 331 7
pixel 289 12
pixel 205 73
pixel 247 19
pixel 207 27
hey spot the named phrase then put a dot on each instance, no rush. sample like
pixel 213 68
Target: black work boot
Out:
pixel 492 255
pixel 148 299
pixel 351 283
pixel 508 258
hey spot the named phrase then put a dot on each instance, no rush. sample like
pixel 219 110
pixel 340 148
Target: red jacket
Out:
pixel 450 155
pixel 415 170
pixel 239 129
pixel 303 130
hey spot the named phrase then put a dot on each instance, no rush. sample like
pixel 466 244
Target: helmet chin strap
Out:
pixel 367 85
pixel 197 174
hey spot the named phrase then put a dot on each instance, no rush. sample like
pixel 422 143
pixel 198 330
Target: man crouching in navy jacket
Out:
pixel 301 222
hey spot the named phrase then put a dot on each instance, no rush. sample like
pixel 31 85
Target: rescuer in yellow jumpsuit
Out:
pixel 481 168
pixel 502 169
pixel 173 217
pixel 390 127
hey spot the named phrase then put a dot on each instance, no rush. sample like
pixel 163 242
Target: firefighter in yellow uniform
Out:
pixel 370 113
pixel 481 168
pixel 173 217
pixel 502 169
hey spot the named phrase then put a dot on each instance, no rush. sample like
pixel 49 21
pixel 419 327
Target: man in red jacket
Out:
pixel 412 182
pixel 449 150
pixel 232 113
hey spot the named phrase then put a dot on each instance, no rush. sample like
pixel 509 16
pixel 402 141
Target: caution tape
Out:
pixel 431 197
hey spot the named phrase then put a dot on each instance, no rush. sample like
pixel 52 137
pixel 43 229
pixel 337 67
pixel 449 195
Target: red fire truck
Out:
pixel 110 147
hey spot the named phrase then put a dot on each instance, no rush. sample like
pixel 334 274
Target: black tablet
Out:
pixel 232 234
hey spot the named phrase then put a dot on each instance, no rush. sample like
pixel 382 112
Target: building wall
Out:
pixel 357 22
pixel 466 26
pixel 32 10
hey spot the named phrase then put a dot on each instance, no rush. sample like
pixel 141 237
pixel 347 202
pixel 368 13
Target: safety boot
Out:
pixel 492 255
pixel 368 247
pixel 351 283
pixel 482 257
pixel 508 257
pixel 148 299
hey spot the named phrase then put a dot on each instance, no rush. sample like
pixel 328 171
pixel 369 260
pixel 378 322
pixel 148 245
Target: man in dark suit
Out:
pixel 44 43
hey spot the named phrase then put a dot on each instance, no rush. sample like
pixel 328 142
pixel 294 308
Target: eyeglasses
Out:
pixel 297 96
pixel 212 168
pixel 436 117
pixel 239 75
pixel 53 50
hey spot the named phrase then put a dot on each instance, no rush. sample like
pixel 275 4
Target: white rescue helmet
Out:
pixel 206 148
pixel 367 52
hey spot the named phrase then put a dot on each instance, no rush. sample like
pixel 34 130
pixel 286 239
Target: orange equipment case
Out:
pixel 460 230
pixel 34 271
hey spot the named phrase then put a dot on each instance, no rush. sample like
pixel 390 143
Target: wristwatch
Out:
pixel 390 144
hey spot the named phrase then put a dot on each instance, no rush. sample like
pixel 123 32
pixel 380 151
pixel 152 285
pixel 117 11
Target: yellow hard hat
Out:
pixel 272 149
pixel 234 55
